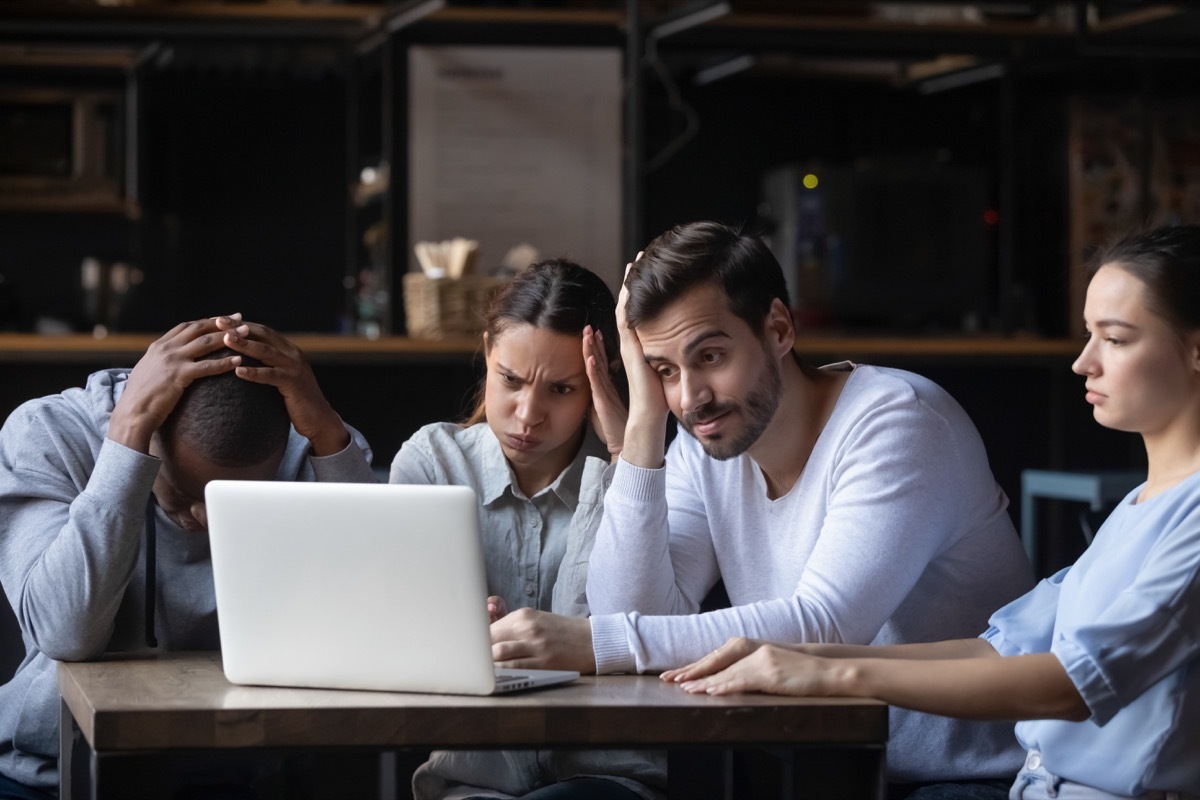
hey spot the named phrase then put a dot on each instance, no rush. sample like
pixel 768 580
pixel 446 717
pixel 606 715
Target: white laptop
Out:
pixel 355 586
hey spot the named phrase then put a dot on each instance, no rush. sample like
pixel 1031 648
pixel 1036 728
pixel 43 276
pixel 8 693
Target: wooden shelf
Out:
pixel 81 348
pixel 529 16
pixel 342 19
pixel 125 347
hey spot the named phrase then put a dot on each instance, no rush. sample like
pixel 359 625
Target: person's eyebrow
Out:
pixel 694 343
pixel 703 338
pixel 1114 323
pixel 574 377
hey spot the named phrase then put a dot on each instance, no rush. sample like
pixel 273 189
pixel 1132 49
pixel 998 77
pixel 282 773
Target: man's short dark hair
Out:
pixel 229 421
pixel 689 255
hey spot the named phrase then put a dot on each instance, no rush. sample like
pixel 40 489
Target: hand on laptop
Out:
pixel 285 368
pixel 532 639
pixel 496 607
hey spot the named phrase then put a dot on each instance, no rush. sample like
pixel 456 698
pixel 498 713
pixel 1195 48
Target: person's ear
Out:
pixel 1193 344
pixel 779 329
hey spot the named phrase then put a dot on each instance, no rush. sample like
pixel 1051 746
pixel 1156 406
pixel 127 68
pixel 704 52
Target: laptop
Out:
pixel 355 586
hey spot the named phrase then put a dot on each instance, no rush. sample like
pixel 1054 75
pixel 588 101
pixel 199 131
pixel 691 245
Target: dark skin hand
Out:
pixel 160 377
pixel 285 368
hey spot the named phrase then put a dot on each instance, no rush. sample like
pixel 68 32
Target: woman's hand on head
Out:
pixel 608 414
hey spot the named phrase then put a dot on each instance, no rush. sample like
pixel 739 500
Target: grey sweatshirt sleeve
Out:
pixel 675 563
pixel 68 551
pixel 351 465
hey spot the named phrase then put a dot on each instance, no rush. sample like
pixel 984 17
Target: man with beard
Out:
pixel 847 504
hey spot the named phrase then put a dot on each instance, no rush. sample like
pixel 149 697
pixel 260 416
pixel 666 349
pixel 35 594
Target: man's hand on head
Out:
pixel 160 377
pixel 285 368
pixel 532 639
pixel 646 430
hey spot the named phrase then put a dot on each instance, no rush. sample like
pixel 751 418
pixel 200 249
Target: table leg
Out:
pixel 389 788
pixel 67 789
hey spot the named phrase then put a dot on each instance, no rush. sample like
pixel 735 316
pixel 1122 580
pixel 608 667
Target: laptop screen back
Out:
pixel 350 586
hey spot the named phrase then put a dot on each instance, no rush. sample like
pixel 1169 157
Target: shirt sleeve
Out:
pixel 1026 625
pixel 71 539
pixel 653 551
pixel 351 465
pixel 1148 631
pixel 414 464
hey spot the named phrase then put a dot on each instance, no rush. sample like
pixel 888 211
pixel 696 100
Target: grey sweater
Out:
pixel 72 519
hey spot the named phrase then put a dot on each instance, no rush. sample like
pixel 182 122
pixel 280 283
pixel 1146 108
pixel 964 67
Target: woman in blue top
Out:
pixel 1100 660
pixel 537 452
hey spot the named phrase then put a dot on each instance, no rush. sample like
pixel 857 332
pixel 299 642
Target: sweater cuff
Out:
pixel 610 645
pixel 638 483
pixel 123 477
pixel 349 465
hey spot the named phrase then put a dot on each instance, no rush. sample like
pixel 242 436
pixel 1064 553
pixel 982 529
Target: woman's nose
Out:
pixel 529 409
pixel 1085 363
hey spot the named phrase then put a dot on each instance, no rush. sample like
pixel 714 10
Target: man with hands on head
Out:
pixel 102 510
pixel 847 504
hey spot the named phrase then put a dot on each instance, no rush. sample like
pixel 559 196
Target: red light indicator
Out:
pixel 991 217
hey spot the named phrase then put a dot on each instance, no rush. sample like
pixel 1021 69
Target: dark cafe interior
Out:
pixel 932 176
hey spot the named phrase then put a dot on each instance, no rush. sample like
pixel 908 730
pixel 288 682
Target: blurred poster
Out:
pixel 518 146
pixel 1131 163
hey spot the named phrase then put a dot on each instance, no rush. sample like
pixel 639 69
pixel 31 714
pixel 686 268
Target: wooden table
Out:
pixel 121 714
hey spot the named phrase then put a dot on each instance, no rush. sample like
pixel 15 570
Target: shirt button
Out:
pixel 1034 761
pixel 529 589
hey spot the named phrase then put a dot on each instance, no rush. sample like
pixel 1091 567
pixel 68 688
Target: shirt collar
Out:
pixel 499 477
pixel 497 474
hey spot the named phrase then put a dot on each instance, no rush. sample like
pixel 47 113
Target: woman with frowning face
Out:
pixel 536 400
pixel 1102 660
pixel 549 421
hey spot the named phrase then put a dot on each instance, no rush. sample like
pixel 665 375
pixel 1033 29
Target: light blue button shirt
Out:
pixel 536 554
pixel 1125 623
pixel 535 548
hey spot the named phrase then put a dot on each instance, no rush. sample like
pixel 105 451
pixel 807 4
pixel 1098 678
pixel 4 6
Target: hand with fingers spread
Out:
pixel 160 377
pixel 608 415
pixel 645 432
pixel 532 639
pixel 281 364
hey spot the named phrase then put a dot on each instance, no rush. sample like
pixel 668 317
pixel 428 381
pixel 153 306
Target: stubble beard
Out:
pixel 758 409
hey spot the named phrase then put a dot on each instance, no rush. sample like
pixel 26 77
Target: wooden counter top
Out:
pixel 82 348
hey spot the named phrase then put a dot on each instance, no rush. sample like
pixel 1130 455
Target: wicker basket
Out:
pixel 440 307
